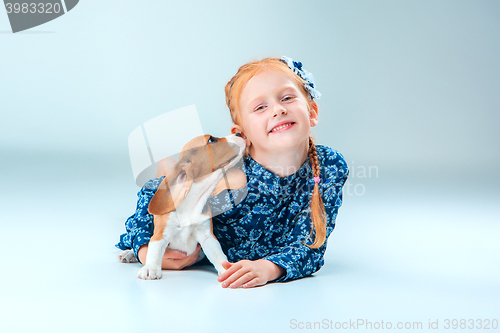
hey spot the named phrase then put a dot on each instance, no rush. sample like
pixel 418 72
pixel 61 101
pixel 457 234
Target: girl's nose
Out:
pixel 279 110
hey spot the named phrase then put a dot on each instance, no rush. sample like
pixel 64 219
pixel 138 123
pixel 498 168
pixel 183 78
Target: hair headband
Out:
pixel 296 67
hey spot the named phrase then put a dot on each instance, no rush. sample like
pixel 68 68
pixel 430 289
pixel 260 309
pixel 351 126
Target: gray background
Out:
pixel 410 88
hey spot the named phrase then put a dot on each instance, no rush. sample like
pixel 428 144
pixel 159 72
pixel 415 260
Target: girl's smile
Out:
pixel 281 127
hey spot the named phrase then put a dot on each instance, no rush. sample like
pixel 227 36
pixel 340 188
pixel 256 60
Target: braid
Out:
pixel 318 215
pixel 313 157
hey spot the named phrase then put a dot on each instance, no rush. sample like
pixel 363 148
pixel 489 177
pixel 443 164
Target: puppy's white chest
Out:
pixel 185 237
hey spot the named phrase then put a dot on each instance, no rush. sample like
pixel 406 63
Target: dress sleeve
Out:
pixel 139 227
pixel 297 258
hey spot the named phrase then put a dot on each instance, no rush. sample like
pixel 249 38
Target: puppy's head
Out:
pixel 198 159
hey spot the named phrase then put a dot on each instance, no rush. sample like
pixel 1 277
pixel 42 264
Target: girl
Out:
pixel 278 232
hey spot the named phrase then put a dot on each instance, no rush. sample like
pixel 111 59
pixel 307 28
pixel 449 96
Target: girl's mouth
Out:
pixel 282 127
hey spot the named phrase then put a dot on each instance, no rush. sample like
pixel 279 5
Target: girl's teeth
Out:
pixel 280 127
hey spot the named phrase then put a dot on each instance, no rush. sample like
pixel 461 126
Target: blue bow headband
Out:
pixel 296 67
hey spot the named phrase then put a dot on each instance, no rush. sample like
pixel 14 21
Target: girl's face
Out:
pixel 275 115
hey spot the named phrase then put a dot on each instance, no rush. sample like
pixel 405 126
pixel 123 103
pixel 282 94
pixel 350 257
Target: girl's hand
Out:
pixel 248 273
pixel 172 259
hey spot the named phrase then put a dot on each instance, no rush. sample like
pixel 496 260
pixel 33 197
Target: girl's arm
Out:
pixel 139 227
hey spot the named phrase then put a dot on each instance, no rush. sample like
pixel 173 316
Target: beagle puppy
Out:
pixel 182 218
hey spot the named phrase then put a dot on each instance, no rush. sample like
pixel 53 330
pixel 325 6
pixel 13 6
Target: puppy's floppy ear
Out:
pixel 172 190
pixel 234 179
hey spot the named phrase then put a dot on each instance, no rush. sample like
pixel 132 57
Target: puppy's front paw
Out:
pixel 149 273
pixel 127 256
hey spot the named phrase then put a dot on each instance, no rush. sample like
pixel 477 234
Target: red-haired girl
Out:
pixel 280 229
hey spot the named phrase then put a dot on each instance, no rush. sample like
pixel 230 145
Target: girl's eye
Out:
pixel 259 108
pixel 287 98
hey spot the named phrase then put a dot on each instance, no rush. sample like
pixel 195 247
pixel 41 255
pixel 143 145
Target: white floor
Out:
pixel 404 252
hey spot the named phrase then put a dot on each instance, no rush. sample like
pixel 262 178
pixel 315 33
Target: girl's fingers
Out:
pixel 174 254
pixel 178 263
pixel 190 260
pixel 175 259
pixel 234 276
pixel 226 265
pixel 244 278
pixel 229 271
pixel 253 283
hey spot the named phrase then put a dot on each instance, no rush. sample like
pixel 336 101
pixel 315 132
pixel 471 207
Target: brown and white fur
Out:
pixel 182 219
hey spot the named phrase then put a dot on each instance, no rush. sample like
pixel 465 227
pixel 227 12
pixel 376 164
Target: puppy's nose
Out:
pixel 238 134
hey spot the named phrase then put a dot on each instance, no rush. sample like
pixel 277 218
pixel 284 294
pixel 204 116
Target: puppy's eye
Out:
pixel 211 139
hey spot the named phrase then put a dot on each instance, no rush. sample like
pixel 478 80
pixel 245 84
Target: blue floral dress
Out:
pixel 271 219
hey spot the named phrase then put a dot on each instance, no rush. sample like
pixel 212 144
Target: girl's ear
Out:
pixel 238 129
pixel 313 113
